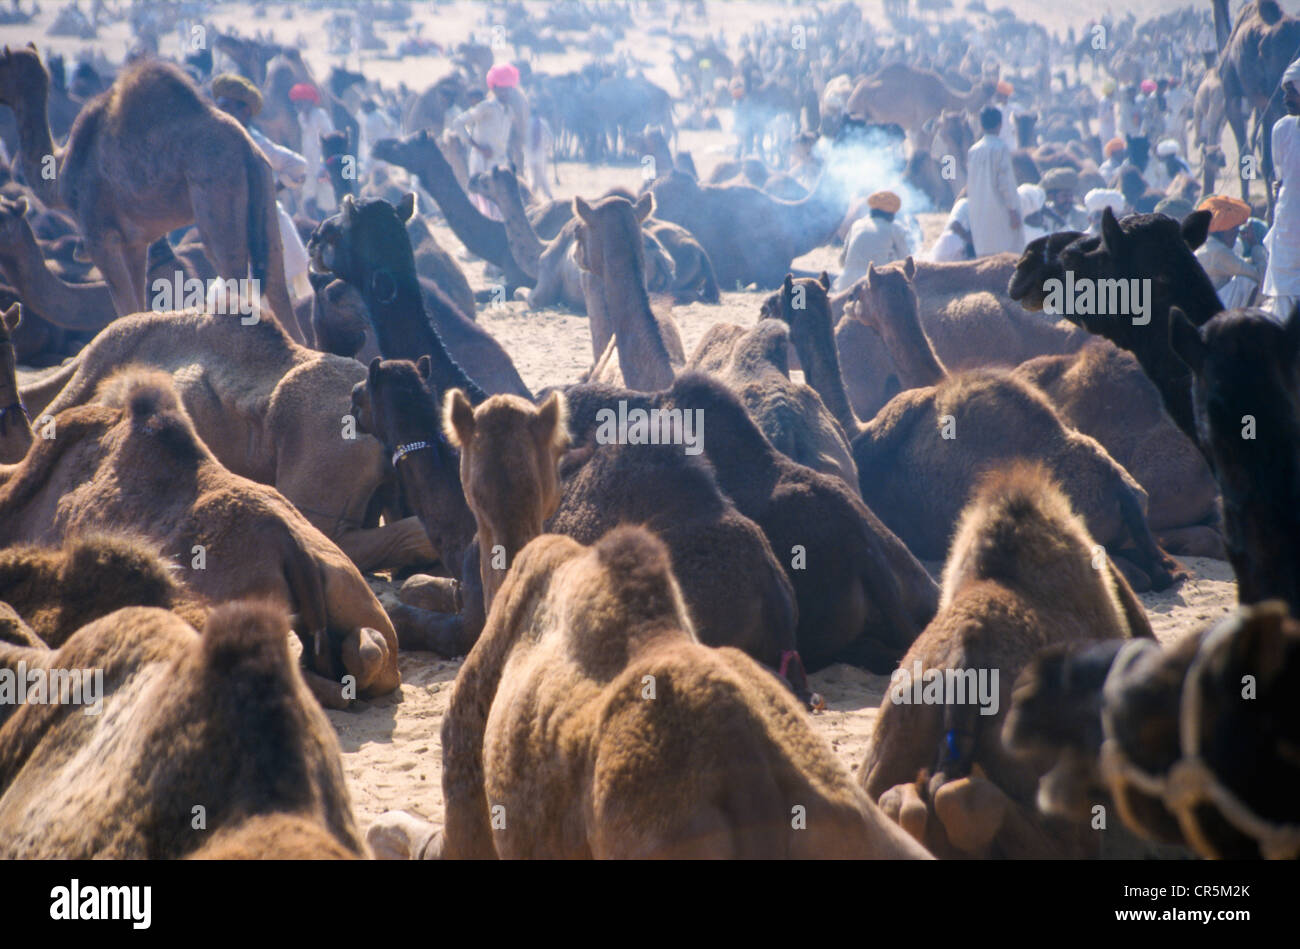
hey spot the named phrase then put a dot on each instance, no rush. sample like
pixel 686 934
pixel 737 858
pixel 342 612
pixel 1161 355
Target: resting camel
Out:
pixel 132 460
pixel 1165 736
pixel 143 159
pixel 1246 396
pixel 434 262
pixel 366 244
pixel 219 721
pixel 1020 576
pixel 554 264
pixel 680 750
pixel 753 364
pixel 911 97
pixel 750 236
pixel 919 456
pixel 268 409
pixel 15 426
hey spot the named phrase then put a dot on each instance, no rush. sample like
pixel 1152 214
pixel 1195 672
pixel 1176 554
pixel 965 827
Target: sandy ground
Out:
pixel 391 747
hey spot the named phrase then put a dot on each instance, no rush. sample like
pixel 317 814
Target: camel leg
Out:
pixel 401 544
pixel 113 258
pixel 1196 541
pixel 1232 109
pixel 397 835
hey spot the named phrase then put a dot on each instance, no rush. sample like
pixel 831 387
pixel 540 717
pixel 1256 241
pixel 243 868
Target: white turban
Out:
pixel 1292 74
pixel 1099 198
pixel 1032 198
pixel 1167 148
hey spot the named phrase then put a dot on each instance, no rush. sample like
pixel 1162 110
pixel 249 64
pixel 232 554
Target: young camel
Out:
pixel 219 719
pixel 920 457
pixel 1021 576
pixel 147 157
pixel 15 425
pixel 132 460
pixel 682 750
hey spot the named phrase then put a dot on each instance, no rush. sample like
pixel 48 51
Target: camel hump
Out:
pixel 637 557
pixel 247 639
pixel 145 392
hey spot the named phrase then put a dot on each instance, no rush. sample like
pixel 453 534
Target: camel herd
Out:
pixel 924 475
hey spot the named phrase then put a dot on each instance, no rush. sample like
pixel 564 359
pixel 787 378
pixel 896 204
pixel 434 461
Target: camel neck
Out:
pixel 481 236
pixel 37 142
pixel 76 306
pixel 918 364
pixel 642 354
pixel 438 500
pixel 15 427
pixel 814 341
pixel 525 246
pixel 403 331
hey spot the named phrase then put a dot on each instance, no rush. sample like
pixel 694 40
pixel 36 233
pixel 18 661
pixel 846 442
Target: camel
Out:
pixel 750 236
pixel 58 590
pixel 419 154
pixel 1102 392
pixel 554 264
pixel 1262 44
pixel 1020 577
pixel 145 158
pixel 1165 736
pixel 862 596
pixel 269 410
pixel 132 460
pixel 509 449
pixel 919 456
pixel 610 254
pixel 910 97
pixel 434 262
pixel 15 425
pixel 683 751
pixel 1246 397
pixel 1147 247
pixel 752 363
pixel 216 723
pixel 366 244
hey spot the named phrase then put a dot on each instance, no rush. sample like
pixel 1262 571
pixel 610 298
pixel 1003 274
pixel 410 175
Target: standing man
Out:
pixel 317 192
pixel 875 239
pixel 486 127
pixel 1282 279
pixel 991 188
pixel 1061 213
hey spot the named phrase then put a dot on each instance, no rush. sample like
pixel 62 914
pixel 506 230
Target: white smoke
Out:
pixel 871 161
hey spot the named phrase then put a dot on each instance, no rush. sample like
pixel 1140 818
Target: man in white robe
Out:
pixel 991 190
pixel 1282 280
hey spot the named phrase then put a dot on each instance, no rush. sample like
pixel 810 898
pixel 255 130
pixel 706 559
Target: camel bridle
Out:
pixel 15 407
pixel 1190 782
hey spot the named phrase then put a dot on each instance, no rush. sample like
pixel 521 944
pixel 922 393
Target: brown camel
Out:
pixel 145 158
pixel 910 97
pixel 752 363
pixel 15 426
pixel 58 590
pixel 206 744
pixel 684 751
pixel 270 410
pixel 918 458
pixel 1165 736
pixel 1101 391
pixel 611 255
pixel 1263 43
pixel 1021 576
pixel 133 461
pixel 434 262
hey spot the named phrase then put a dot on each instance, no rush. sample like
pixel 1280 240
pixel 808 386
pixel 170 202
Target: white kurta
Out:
pixel 991 191
pixel 1282 279
pixel 314 125
pixel 950 245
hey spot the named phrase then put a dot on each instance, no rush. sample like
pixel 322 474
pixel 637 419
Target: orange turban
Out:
pixel 1114 145
pixel 885 201
pixel 1227 212
pixel 1005 88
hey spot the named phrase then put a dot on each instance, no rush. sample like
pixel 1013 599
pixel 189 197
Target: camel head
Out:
pixel 1039 262
pixel 340 316
pixel 509 450
pixel 398 405
pixel 408 151
pixel 23 79
pixel 610 230
pixel 877 297
pixel 366 244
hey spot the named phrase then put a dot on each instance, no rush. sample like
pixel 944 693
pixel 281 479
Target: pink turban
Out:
pixel 502 74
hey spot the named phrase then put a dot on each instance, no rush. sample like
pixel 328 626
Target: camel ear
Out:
pixel 644 207
pixel 1112 237
pixel 424 366
pixel 406 206
pixel 1186 340
pixel 1196 228
pixel 457 419
pixel 21 205
pixel 372 373
pixel 872 272
pixel 583 209
pixel 12 316
pixel 349 208
pixel 909 267
pixel 551 426
pixel 825 280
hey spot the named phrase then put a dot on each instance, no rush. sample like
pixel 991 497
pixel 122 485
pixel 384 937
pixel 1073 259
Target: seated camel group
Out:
pixel 638 621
